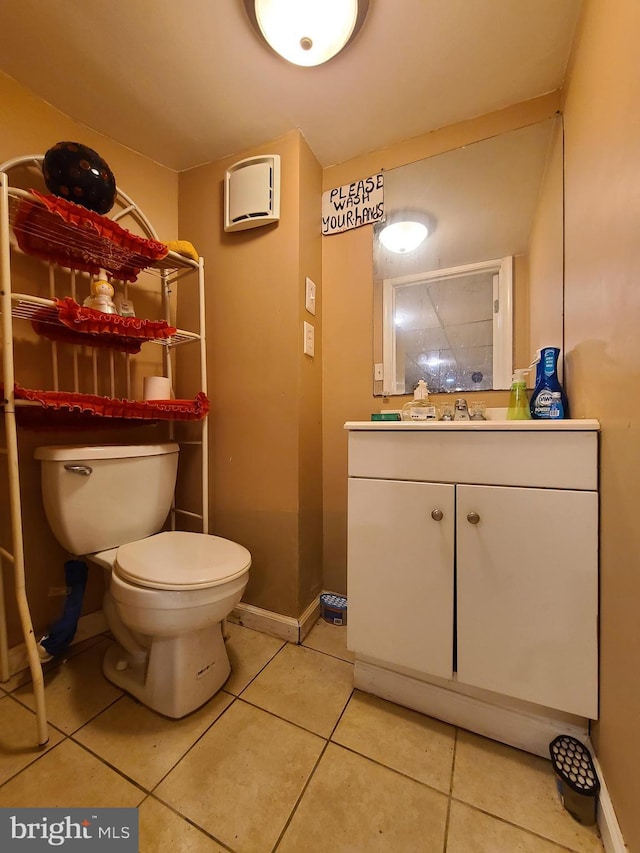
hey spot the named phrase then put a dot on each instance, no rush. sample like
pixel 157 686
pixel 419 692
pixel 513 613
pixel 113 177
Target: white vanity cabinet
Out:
pixel 473 555
pixel 400 573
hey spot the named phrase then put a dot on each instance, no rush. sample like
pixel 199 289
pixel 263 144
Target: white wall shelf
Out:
pixel 66 245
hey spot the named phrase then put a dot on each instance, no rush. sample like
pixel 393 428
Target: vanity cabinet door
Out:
pixel 527 594
pixel 401 573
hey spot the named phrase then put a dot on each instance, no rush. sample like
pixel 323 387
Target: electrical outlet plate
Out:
pixel 310 296
pixel 309 339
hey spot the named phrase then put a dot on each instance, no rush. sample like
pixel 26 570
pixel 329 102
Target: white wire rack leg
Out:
pixel 17 557
pixel 4 643
pixel 18 569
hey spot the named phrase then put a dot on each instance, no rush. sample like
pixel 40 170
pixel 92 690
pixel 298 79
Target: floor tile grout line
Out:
pixel 518 826
pixel 108 764
pixel 188 820
pixel 328 654
pixel 239 698
pixel 30 764
pixel 342 713
pixel 38 751
pixel 354 752
pixel 70 735
pixel 31 711
pixel 95 716
pixel 86 749
pixel 299 799
pixel 453 768
pixel 234 699
pixel 380 763
pixel 50 722
pixel 261 670
pixel 388 767
pixel 273 713
pixel 325 652
pixel 282 719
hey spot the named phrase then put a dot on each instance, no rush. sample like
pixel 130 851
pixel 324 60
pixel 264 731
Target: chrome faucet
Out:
pixel 461 410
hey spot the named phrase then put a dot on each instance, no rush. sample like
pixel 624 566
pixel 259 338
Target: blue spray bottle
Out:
pixel 548 384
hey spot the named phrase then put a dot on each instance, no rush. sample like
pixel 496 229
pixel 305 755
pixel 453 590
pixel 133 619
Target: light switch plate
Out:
pixel 378 372
pixel 309 339
pixel 310 296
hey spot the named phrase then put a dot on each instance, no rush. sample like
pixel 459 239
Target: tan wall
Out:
pixel 265 394
pixel 546 259
pixel 29 126
pixel 310 384
pixel 347 269
pixel 602 307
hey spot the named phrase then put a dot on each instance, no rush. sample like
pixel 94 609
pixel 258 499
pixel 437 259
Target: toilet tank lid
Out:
pixel 66 453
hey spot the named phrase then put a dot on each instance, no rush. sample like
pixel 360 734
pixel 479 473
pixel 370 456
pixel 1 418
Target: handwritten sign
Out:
pixel 353 205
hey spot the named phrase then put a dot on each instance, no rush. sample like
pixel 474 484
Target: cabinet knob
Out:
pixel 473 517
pixel 436 515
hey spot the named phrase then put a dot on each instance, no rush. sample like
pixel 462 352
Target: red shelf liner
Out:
pixel 89 327
pixel 91 409
pixel 68 234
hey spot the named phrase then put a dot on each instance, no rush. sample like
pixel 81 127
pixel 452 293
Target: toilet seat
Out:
pixel 178 560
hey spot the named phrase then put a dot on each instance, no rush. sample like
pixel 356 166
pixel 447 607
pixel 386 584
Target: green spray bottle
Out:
pixel 518 401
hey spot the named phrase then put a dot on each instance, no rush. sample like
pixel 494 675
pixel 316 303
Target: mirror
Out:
pixel 486 282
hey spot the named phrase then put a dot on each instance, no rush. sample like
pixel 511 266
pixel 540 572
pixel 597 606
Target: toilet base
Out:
pixel 178 675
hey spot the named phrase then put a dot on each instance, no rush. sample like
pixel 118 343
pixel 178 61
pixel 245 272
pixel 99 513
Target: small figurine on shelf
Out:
pixel 101 298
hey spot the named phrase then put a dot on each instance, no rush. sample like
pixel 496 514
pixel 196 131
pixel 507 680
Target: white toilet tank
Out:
pixel 99 497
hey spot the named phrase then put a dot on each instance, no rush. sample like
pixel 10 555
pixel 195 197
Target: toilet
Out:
pixel 167 593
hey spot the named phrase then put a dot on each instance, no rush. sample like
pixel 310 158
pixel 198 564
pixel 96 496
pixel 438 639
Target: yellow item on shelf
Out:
pixel 183 247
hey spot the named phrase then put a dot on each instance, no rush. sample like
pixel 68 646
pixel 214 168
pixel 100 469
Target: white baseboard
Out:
pixel 309 618
pixel 608 825
pixel 509 725
pixel 269 622
pixel 88 626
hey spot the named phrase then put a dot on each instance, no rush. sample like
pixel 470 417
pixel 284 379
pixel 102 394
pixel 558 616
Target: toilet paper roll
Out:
pixel 156 388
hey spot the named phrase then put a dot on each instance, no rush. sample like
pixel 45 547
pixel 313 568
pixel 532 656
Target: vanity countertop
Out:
pixel 567 425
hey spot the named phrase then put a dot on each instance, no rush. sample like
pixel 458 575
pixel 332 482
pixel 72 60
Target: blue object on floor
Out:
pixel 333 608
pixel 64 630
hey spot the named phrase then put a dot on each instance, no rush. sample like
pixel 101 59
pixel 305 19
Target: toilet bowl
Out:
pixel 167 593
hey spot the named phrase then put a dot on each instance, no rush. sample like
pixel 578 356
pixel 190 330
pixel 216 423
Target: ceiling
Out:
pixel 189 83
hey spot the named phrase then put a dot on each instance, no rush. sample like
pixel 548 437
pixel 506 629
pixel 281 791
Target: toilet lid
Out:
pixel 180 561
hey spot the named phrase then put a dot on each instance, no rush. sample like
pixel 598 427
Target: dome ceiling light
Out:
pixel 403 236
pixel 307 32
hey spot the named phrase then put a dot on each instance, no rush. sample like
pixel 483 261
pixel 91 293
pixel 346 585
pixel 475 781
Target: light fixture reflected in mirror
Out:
pixel 307 32
pixel 403 236
pixel 497 198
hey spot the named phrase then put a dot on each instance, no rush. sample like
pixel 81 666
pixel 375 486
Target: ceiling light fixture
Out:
pixel 403 236
pixel 307 32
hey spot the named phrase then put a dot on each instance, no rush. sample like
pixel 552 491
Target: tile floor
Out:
pixel 286 757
